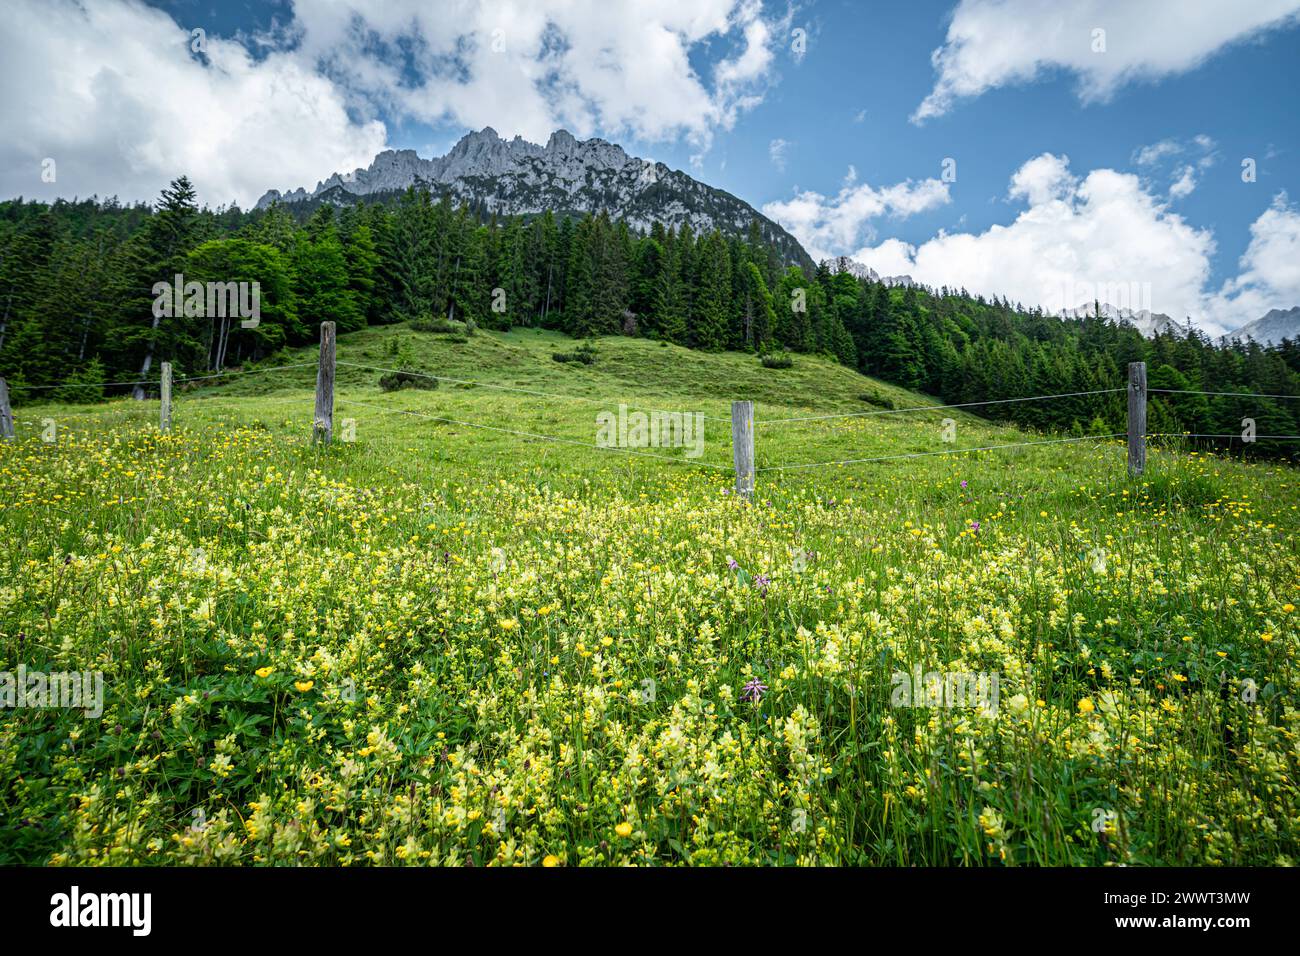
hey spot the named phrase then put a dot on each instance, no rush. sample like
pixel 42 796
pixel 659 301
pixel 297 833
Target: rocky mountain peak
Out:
pixel 567 176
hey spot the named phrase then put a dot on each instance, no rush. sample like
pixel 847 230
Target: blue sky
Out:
pixel 1094 144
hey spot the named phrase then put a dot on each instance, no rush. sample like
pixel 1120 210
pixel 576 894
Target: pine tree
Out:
pixel 156 254
pixel 712 294
pixel 756 308
pixel 668 301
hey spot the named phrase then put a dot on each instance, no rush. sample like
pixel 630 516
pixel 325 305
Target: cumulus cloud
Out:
pixel 114 94
pixel 1042 179
pixel 530 67
pixel 1270 269
pixel 1103 235
pixel 995 43
pixel 828 225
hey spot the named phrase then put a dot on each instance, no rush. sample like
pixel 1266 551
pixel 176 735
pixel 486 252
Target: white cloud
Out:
pixel 112 93
pixel 1103 234
pixel 1150 155
pixel 1043 179
pixel 527 67
pixel 826 226
pixel 1184 184
pixel 1270 269
pixel 1195 156
pixel 995 43
pixel 776 151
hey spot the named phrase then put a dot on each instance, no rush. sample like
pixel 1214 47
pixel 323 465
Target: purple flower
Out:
pixel 754 691
pixel 761 581
pixel 731 563
pixel 975 526
pixel 963 484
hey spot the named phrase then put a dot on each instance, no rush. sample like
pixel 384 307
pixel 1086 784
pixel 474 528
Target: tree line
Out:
pixel 77 304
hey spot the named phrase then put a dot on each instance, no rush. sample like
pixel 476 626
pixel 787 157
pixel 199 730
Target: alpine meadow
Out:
pixel 509 499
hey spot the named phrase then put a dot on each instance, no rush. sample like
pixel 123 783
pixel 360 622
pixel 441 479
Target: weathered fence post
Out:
pixel 323 423
pixel 165 395
pixel 6 413
pixel 1137 417
pixel 742 445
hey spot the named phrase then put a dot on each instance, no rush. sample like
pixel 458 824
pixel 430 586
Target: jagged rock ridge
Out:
pixel 1144 320
pixel 1269 329
pixel 567 175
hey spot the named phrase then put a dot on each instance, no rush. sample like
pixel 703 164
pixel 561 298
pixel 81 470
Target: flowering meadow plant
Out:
pixel 388 658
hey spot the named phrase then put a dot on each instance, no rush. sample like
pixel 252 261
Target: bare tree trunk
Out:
pixel 223 344
pixel 451 313
pixel 546 306
pixel 208 354
pixel 138 392
pixel 85 325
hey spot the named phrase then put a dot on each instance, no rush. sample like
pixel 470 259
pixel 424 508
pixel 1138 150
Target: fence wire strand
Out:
pixel 925 454
pixel 1193 391
pixel 200 403
pixel 930 408
pixel 249 371
pixel 604 403
pixel 1237 436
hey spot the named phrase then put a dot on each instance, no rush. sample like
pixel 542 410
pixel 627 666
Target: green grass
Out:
pixel 440 643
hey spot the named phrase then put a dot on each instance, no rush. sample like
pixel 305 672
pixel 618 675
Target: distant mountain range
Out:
pixel 567 176
pixel 1144 320
pixel 1271 329
pixel 856 268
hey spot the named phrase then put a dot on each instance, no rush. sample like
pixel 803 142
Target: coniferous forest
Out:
pixel 76 305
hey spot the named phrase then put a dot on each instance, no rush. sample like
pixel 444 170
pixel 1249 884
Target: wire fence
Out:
pixel 927 454
pixel 533 435
pixel 739 425
pixel 933 408
pixel 602 402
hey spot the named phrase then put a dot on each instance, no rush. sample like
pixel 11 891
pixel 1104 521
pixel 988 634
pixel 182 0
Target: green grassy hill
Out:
pixel 538 395
pixel 448 639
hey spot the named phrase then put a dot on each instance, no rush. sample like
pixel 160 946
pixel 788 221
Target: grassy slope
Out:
pixel 641 373
pixel 376 559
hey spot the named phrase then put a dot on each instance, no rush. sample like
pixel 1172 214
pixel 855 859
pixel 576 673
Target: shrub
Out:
pixel 85 385
pixel 396 381
pixel 584 353
pixel 876 399
pixel 439 326
pixel 777 360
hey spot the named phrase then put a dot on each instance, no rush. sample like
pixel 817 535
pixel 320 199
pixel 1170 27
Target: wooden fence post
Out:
pixel 6 413
pixel 323 423
pixel 1137 417
pixel 742 445
pixel 165 395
